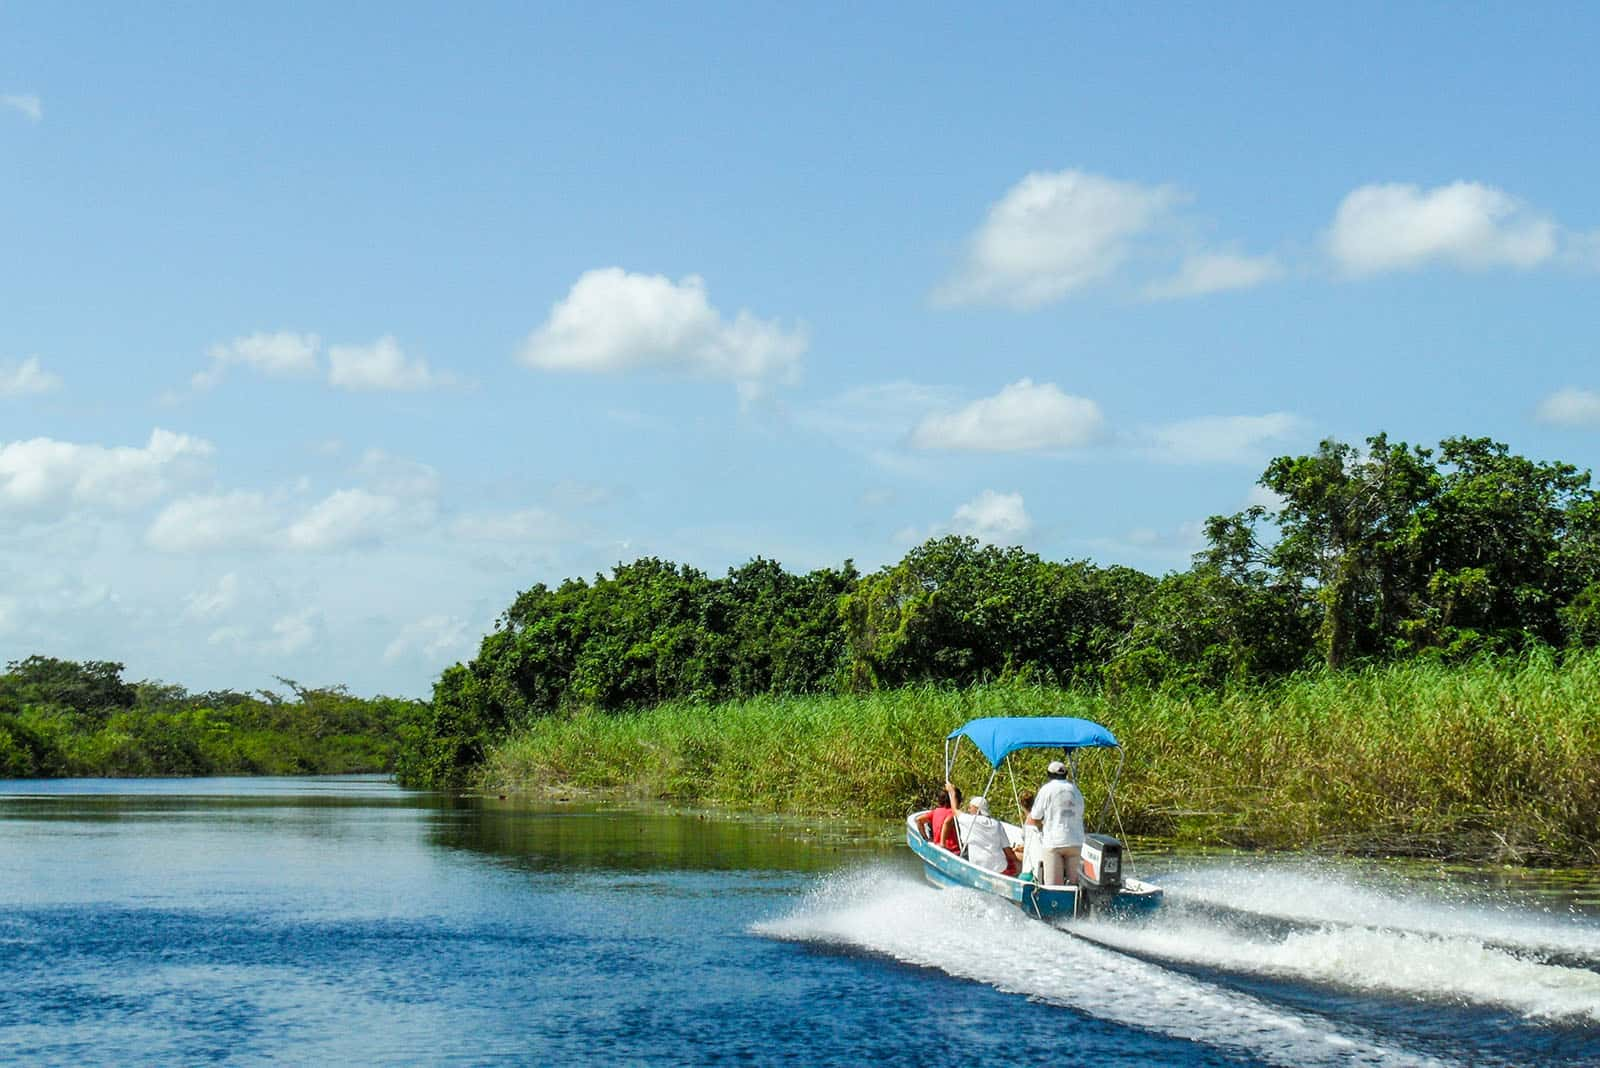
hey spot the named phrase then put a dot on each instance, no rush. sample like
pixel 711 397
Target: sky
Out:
pixel 327 329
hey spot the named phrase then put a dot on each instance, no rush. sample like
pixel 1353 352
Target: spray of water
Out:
pixel 981 938
pixel 1374 936
pixel 1329 894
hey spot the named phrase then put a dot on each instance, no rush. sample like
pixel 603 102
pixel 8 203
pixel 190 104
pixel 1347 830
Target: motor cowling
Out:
pixel 1100 865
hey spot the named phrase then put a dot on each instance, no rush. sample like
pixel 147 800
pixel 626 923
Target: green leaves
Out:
pixel 1399 553
pixel 1370 553
pixel 94 688
pixel 955 611
pixel 59 717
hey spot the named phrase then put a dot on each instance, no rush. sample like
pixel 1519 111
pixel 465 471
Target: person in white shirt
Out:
pixel 985 840
pixel 1032 842
pixel 1058 813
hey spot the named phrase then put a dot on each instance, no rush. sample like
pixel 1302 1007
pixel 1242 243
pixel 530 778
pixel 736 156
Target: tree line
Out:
pixel 69 718
pixel 1369 554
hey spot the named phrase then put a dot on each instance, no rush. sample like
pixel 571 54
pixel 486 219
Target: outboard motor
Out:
pixel 1099 870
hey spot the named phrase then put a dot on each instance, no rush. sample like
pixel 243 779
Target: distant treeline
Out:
pixel 1370 555
pixel 65 718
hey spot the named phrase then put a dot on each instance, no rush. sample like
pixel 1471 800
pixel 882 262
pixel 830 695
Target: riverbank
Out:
pixel 1493 761
pixel 63 719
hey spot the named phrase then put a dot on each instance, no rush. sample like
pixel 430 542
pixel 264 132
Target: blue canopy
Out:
pixel 997 736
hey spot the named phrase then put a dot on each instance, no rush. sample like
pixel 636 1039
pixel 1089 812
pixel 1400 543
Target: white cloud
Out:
pixel 433 638
pixel 993 517
pixel 1394 227
pixel 616 321
pixel 1174 547
pixel 381 366
pixel 1215 272
pixel 25 378
pixel 295 632
pixel 51 608
pixel 289 634
pixel 395 476
pixel 202 523
pixel 398 494
pixel 217 601
pixel 1570 407
pixel 281 354
pixel 1223 438
pixel 872 421
pixel 526 525
pixel 28 105
pixel 1052 233
pixel 235 636
pixel 42 475
pixel 1022 417
pixel 875 414
pixel 1262 497
pixel 990 516
pixel 346 517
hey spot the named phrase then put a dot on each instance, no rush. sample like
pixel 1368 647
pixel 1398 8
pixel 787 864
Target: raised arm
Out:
pixel 953 824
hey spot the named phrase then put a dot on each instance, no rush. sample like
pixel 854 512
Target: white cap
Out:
pixel 981 804
pixel 1056 768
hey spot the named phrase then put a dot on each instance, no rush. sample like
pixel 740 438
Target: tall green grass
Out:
pixel 1493 760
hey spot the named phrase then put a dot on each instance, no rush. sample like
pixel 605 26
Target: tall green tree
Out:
pixel 93 687
pixel 1347 523
pixel 957 611
pixel 779 631
pixel 1502 546
pixel 1232 617
pixel 1405 550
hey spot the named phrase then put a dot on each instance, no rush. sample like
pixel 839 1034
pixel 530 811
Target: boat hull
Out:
pixel 943 868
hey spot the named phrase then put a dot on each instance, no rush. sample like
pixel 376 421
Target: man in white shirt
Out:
pixel 984 838
pixel 1058 813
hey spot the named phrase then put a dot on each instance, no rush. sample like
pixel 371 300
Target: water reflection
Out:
pixel 607 838
pixel 348 921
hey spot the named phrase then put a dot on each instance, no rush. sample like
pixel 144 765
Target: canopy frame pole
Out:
pixel 1110 803
pixel 1016 794
pixel 1116 810
pixel 1022 821
pixel 949 767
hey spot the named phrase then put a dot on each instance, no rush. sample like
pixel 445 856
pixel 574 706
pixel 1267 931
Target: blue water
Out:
pixel 343 921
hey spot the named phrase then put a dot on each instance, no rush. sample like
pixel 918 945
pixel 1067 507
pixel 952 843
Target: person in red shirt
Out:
pixel 938 824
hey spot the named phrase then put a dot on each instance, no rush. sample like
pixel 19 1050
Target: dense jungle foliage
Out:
pixel 64 718
pixel 1372 555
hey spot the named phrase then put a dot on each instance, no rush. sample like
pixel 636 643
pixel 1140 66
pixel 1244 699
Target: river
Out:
pixel 345 921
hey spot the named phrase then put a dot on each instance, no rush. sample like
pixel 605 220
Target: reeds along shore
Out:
pixel 1496 760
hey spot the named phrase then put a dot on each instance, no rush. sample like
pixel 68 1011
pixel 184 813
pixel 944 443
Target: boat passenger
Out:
pixel 1032 842
pixel 1058 813
pixel 986 842
pixel 936 824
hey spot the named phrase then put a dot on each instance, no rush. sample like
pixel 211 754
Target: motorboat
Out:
pixel 1104 885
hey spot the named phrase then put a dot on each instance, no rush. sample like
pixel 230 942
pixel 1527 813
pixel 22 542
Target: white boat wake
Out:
pixel 1417 943
pixel 1321 893
pixel 977 937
